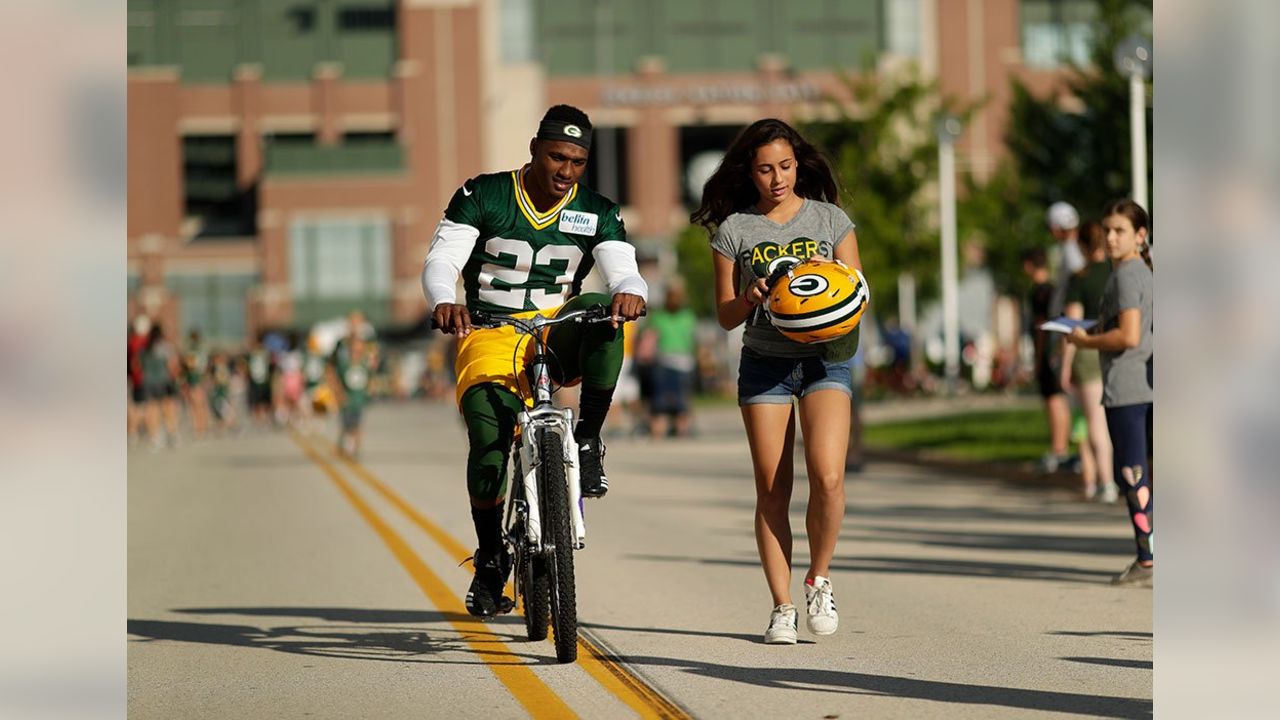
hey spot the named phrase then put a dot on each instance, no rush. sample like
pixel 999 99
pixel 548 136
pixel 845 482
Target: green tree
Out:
pixel 1071 145
pixel 1079 151
pixel 885 157
pixel 999 215
pixel 693 258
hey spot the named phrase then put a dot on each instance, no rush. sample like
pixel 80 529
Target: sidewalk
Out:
pixel 904 409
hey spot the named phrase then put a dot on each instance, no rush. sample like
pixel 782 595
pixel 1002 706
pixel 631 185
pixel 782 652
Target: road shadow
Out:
pixel 1124 634
pixel 969 540
pixel 753 638
pixel 332 614
pixel 918 566
pixel 852 683
pixel 1075 514
pixel 1113 662
pixel 347 633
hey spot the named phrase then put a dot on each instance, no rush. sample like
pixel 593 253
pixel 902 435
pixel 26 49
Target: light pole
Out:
pixel 949 128
pixel 1133 59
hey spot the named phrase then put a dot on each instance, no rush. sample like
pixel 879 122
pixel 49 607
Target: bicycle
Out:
pixel 544 522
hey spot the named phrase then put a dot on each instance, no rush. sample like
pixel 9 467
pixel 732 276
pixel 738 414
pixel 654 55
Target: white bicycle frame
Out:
pixel 548 418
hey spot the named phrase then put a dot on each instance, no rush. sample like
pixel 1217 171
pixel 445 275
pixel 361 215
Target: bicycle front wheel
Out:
pixel 557 535
pixel 533 578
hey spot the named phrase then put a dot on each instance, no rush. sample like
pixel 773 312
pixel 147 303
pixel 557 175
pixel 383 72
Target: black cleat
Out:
pixel 591 468
pixel 484 597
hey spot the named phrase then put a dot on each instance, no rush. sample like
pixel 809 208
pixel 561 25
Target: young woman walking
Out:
pixel 771 203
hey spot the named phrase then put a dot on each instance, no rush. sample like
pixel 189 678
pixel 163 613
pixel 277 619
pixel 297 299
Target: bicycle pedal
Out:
pixel 506 605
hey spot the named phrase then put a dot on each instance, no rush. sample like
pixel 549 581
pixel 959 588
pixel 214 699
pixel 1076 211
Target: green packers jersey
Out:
pixel 525 259
pixel 354 376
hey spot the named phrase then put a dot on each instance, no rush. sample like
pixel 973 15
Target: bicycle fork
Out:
pixel 559 421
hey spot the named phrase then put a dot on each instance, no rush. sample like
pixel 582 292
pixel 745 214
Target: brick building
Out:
pixel 288 159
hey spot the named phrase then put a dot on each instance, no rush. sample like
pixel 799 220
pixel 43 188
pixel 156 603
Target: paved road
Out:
pixel 267 578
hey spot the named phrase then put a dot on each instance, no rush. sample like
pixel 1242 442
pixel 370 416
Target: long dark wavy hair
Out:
pixel 730 189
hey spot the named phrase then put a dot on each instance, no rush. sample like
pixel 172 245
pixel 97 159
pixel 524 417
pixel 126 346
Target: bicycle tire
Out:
pixel 531 571
pixel 557 531
pixel 536 596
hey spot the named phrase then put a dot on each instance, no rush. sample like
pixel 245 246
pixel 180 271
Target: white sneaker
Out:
pixel 782 626
pixel 1109 494
pixel 821 602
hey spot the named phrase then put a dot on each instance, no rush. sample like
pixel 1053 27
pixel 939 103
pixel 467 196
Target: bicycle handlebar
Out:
pixel 526 326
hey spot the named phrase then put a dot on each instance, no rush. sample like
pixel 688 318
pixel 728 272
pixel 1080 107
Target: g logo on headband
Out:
pixel 573 131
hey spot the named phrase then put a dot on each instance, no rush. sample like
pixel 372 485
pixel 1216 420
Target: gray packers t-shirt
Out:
pixel 760 245
pixel 1124 374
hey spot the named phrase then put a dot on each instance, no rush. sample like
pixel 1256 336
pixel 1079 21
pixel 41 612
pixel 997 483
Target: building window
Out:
pixel 337 264
pixel 366 138
pixel 212 303
pixel 290 139
pixel 516 31
pixel 302 18
pixel 374 19
pixel 829 35
pixel 902 27
pixel 206 35
pixel 359 152
pixel 698 145
pixel 213 199
pixel 613 185
pixel 1057 32
pixel 366 37
pixel 287 37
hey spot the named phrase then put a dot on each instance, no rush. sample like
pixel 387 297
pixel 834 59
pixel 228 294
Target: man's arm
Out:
pixel 451 247
pixel 617 262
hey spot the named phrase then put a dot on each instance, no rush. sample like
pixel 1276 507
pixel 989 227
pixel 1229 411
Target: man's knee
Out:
pixel 490 414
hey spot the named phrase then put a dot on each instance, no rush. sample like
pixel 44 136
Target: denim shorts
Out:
pixel 763 379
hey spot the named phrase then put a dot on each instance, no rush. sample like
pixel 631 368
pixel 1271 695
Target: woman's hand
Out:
pixel 756 294
pixel 1078 337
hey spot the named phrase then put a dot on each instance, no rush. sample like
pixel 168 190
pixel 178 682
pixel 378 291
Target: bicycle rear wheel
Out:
pixel 557 535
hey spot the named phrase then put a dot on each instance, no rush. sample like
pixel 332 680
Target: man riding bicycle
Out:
pixel 523 241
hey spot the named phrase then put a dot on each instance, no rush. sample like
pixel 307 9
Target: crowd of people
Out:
pixel 1071 281
pixel 277 380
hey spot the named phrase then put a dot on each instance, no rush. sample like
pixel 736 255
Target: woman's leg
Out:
pixel 1059 412
pixel 771 432
pixel 1088 462
pixel 1099 439
pixel 151 417
pixel 199 411
pixel 1128 427
pixel 824 420
pixel 170 407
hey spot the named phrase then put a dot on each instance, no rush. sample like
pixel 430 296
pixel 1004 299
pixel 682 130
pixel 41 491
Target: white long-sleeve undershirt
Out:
pixel 617 262
pixel 451 247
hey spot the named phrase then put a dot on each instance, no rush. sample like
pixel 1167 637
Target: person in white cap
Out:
pixel 1065 258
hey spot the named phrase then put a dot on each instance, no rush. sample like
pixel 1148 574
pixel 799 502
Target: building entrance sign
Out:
pixel 707 94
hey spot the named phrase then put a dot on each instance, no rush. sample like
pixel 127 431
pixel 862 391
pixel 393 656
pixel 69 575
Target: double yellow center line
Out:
pixel 525 686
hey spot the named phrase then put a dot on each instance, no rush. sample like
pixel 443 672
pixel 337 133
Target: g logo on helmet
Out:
pixel 573 131
pixel 818 301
